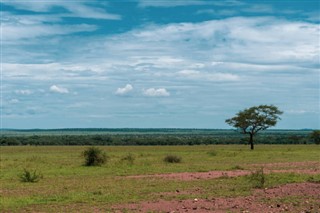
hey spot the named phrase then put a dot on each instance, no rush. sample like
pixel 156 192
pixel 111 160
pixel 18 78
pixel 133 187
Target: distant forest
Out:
pixel 108 137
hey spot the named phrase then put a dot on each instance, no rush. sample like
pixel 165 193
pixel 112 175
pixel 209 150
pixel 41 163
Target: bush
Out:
pixel 258 178
pixel 172 159
pixel 94 157
pixel 31 177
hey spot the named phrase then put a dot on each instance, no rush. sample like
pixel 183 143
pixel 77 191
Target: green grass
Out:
pixel 66 182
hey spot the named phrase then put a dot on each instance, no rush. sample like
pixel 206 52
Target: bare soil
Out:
pixel 297 197
pixel 294 167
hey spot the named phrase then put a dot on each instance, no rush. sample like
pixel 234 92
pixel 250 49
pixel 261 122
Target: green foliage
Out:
pixel 257 178
pixel 314 179
pixel 94 156
pixel 255 118
pixel 160 137
pixel 172 159
pixel 315 136
pixel 30 176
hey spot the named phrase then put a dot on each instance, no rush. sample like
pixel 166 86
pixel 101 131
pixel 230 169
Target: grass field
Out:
pixel 68 185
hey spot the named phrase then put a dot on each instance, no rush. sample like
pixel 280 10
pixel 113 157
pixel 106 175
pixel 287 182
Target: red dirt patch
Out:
pixel 185 176
pixel 293 167
pixel 195 175
pixel 268 200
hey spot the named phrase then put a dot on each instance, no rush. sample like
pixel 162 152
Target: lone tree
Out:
pixel 251 121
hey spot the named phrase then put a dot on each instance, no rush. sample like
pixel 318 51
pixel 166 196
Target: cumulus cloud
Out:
pixel 58 89
pixel 152 92
pixel 124 90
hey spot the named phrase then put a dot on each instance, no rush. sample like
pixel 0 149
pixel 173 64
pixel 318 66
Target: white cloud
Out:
pixel 124 90
pixel 152 92
pixel 58 89
pixel 13 31
pixel 206 76
pixel 23 92
pixel 73 8
pixel 176 3
pixel 170 3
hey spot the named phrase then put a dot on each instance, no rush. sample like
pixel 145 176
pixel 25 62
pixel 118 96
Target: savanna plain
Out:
pixel 209 178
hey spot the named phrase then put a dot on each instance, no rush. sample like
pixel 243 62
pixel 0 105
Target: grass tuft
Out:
pixel 172 159
pixel 30 176
pixel 129 158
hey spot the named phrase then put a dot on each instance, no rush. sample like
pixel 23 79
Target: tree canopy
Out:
pixel 254 119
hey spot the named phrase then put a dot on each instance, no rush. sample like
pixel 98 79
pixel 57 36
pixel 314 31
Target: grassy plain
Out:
pixel 67 185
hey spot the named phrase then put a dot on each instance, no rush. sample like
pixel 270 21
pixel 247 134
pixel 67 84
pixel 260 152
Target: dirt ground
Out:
pixel 293 198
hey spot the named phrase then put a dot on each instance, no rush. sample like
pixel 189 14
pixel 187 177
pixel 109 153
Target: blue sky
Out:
pixel 149 64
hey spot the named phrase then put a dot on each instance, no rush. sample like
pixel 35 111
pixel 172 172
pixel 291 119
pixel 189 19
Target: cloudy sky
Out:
pixel 149 63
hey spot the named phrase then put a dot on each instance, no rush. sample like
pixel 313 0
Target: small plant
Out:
pixel 172 159
pixel 258 178
pixel 129 158
pixel 29 176
pixel 94 157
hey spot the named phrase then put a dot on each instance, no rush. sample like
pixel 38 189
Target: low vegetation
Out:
pixel 129 158
pixel 69 186
pixel 30 176
pixel 258 178
pixel 172 159
pixel 94 156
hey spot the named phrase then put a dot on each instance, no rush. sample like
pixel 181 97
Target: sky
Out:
pixel 157 64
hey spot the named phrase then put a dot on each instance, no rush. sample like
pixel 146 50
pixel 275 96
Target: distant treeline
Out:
pixel 150 137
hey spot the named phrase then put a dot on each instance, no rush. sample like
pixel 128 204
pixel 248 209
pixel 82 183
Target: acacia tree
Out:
pixel 251 121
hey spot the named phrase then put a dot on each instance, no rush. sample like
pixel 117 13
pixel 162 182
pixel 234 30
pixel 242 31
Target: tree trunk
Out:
pixel 251 141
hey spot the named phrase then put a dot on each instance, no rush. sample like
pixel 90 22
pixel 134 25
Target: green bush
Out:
pixel 94 157
pixel 258 178
pixel 172 159
pixel 29 176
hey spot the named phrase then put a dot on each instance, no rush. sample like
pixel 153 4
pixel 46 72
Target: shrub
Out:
pixel 29 176
pixel 94 157
pixel 172 159
pixel 258 178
